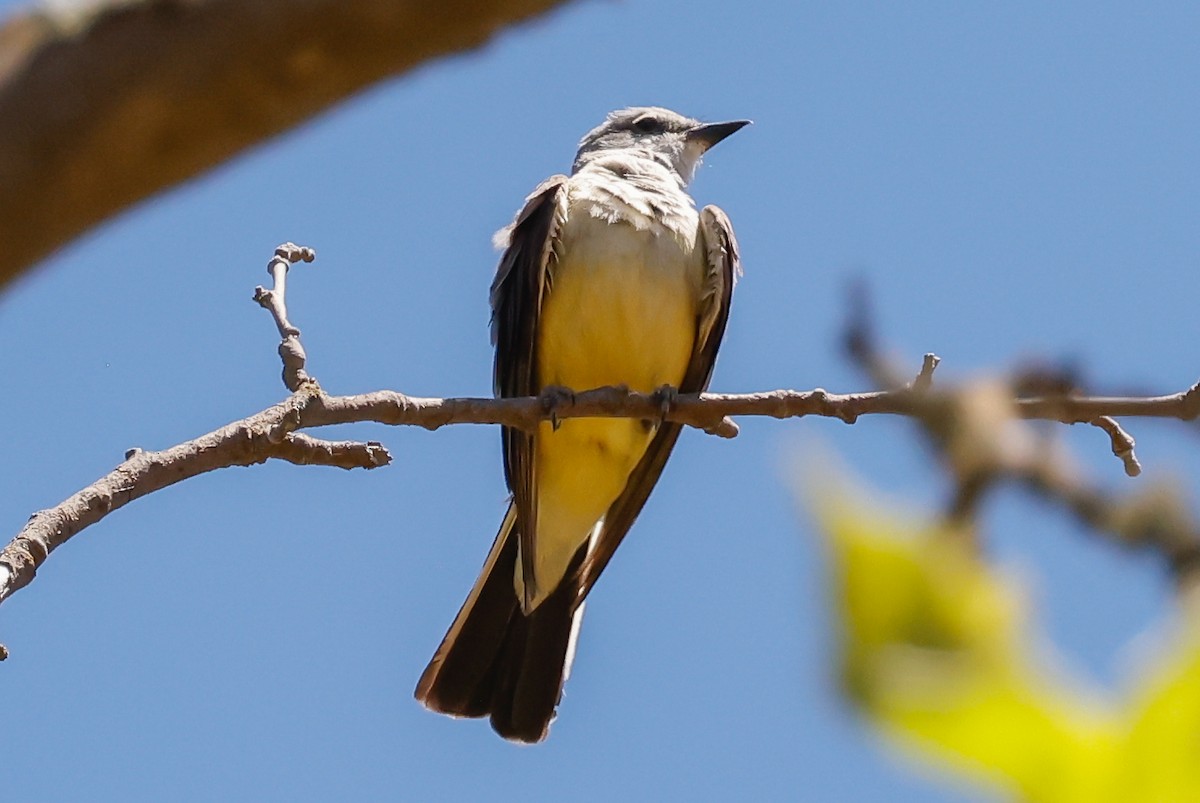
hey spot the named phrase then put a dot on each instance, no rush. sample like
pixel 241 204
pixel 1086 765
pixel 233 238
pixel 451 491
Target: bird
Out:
pixel 608 277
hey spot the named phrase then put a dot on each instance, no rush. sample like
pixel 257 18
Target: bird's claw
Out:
pixel 665 396
pixel 553 397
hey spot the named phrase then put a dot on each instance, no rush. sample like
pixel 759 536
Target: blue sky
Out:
pixel 1014 181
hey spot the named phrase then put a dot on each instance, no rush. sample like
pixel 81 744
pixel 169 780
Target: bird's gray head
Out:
pixel 675 141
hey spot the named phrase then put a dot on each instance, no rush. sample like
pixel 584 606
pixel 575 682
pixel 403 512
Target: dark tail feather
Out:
pixel 496 661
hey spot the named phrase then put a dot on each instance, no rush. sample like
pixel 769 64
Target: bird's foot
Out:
pixel 553 397
pixel 665 396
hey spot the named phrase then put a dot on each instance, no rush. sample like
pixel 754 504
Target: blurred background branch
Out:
pixel 104 104
pixel 976 432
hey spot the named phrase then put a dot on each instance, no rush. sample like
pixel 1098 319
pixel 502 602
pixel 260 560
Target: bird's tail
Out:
pixel 497 661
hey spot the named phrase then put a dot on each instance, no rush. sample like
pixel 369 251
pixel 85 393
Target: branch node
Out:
pixel 293 253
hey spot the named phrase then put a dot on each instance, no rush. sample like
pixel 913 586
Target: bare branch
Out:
pixel 1184 406
pixel 705 411
pixel 974 429
pixel 261 437
pixel 968 427
pixel 268 435
pixel 1063 403
pixel 104 104
pixel 701 410
pixel 1155 518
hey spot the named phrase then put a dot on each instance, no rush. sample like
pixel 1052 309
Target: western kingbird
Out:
pixel 609 277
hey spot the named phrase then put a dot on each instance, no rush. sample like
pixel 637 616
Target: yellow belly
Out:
pixel 629 321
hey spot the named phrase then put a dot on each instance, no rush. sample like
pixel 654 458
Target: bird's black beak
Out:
pixel 710 134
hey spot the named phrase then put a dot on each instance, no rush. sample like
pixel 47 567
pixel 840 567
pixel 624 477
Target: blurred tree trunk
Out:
pixel 104 105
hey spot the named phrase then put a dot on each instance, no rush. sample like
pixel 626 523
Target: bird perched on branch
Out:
pixel 609 277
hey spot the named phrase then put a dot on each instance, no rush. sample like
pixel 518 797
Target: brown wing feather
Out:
pixel 521 282
pixel 724 266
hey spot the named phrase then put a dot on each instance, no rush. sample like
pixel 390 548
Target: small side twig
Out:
pixel 924 378
pixel 305 450
pixel 1122 444
pixel 275 301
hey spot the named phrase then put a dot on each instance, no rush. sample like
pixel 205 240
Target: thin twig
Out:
pixel 1184 406
pixel 1122 444
pixel 291 351
pixel 925 378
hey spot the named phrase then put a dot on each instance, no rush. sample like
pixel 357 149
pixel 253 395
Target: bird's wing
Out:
pixel 723 269
pixel 522 281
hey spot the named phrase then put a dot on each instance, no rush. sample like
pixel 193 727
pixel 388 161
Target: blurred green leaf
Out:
pixel 936 651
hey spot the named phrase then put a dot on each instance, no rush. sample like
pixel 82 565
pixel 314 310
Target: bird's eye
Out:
pixel 649 125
